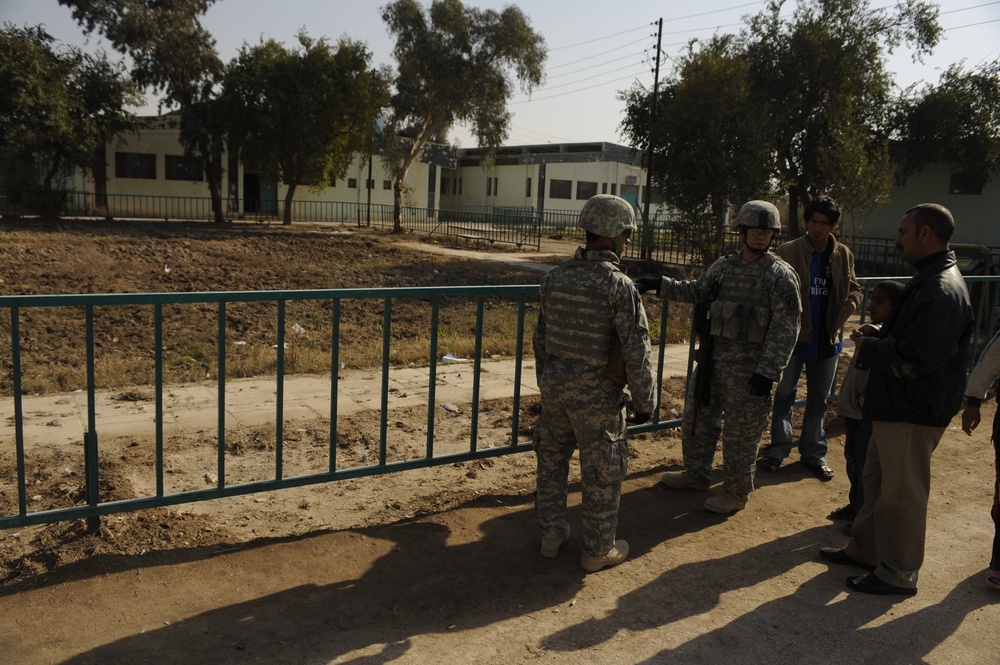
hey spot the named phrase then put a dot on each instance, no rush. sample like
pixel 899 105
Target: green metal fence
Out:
pixel 489 224
pixel 16 335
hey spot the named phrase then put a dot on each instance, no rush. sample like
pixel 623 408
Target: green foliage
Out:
pixel 801 103
pixel 171 53
pixel 824 70
pixel 709 146
pixel 58 108
pixel 302 115
pixel 456 64
pixel 956 122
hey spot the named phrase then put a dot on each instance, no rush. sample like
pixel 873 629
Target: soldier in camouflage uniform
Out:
pixel 754 322
pixel 590 311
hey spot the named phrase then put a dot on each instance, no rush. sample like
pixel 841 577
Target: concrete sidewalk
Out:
pixel 62 419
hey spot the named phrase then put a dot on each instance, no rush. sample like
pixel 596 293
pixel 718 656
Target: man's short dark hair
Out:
pixel 824 205
pixel 935 216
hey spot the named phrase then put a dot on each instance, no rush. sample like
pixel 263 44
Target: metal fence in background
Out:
pixel 667 240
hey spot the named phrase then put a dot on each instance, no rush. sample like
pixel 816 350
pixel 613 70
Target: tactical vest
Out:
pixel 742 311
pixel 578 318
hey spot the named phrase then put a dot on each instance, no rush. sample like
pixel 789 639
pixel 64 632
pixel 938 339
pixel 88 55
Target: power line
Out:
pixel 597 55
pixel 597 39
pixel 600 64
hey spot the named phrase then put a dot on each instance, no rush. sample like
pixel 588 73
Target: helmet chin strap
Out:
pixel 754 250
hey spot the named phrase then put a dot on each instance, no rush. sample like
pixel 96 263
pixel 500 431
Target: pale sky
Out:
pixel 596 47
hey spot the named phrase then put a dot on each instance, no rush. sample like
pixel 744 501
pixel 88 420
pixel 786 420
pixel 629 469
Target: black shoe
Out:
pixel 871 584
pixel 843 513
pixel 768 464
pixel 837 555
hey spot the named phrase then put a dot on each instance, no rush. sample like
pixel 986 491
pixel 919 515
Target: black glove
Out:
pixel 639 418
pixel 644 284
pixel 760 386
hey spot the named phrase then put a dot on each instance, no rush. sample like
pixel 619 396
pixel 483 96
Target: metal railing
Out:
pixel 18 334
pixel 516 226
pixel 435 452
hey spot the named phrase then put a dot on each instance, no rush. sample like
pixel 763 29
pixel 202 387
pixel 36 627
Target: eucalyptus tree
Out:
pixel 455 64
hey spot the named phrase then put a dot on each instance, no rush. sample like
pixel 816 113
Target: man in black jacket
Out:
pixel 917 377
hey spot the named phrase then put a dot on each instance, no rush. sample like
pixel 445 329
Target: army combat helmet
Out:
pixel 760 214
pixel 607 215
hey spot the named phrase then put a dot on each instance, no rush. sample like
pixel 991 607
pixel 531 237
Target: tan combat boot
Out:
pixel 551 544
pixel 592 564
pixel 683 480
pixel 725 503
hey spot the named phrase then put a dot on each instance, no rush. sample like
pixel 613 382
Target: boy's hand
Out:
pixel 970 419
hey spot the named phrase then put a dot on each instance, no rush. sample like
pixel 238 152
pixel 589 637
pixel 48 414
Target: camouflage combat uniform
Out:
pixel 754 326
pixel 586 303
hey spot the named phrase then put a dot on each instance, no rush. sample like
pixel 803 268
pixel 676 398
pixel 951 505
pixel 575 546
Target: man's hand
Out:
pixel 970 419
pixel 760 386
pixel 644 284
pixel 638 418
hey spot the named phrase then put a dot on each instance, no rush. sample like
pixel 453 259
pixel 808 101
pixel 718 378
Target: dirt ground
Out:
pixel 441 565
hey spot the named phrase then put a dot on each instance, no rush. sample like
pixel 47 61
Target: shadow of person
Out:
pixel 364 592
pixel 818 623
pixel 694 589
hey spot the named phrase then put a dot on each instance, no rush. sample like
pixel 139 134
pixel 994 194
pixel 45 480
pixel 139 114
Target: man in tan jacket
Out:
pixel 830 294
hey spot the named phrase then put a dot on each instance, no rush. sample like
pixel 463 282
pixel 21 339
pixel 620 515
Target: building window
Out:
pixel 962 184
pixel 352 183
pixel 135 165
pixel 584 190
pixel 489 186
pixel 333 181
pixel 387 184
pixel 604 188
pixel 560 189
pixel 370 184
pixel 179 167
pixel 614 189
pixel 496 186
pixel 527 188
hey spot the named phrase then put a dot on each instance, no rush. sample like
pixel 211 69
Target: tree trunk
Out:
pixel 397 202
pixel 214 179
pixel 286 217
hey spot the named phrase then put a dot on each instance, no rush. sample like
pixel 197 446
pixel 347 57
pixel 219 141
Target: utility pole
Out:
pixel 646 241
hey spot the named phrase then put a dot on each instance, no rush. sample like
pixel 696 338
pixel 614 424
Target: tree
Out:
pixel 709 147
pixel 823 70
pixel 302 115
pixel 171 53
pixel 956 122
pixel 456 64
pixel 861 173
pixel 58 109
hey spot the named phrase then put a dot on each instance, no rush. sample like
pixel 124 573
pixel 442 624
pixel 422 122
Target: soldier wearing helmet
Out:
pixel 594 367
pixel 751 298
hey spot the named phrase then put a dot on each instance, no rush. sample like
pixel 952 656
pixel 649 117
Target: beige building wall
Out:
pixel 975 214
pixel 142 179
